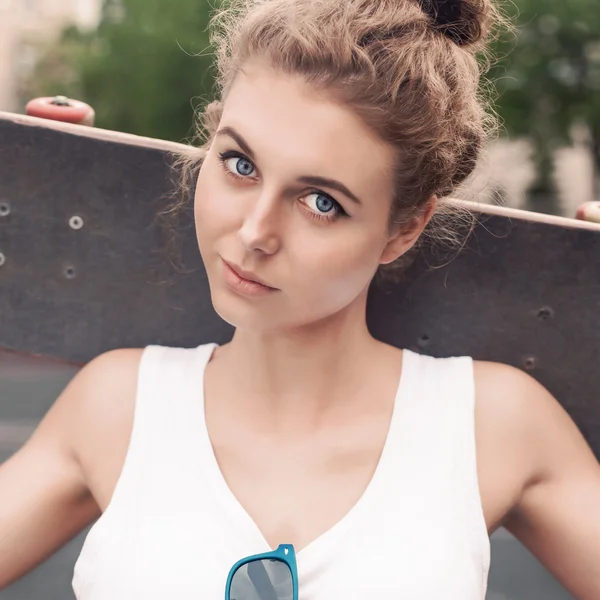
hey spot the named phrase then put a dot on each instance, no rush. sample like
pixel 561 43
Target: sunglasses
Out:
pixel 270 576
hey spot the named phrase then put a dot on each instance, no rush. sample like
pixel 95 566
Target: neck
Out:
pixel 300 373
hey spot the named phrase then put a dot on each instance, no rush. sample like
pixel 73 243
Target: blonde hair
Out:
pixel 412 69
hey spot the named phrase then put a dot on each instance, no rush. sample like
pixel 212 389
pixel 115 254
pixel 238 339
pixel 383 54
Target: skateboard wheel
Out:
pixel 589 211
pixel 61 108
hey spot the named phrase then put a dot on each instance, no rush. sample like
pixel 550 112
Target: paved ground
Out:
pixel 28 389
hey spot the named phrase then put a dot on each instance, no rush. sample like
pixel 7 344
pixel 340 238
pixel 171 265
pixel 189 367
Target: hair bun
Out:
pixel 463 21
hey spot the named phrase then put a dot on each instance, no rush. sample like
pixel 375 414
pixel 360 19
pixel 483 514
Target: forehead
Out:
pixel 281 115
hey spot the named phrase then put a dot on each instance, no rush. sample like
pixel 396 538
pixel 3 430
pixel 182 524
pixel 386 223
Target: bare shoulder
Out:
pixel 519 410
pixel 509 396
pixel 57 482
pixel 97 394
pixel 539 475
pixel 523 436
pixel 100 403
pixel 99 390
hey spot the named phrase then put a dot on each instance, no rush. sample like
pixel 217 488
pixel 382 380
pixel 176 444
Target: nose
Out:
pixel 260 230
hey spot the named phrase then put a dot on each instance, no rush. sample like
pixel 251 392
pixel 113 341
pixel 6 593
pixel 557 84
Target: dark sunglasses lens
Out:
pixel 262 580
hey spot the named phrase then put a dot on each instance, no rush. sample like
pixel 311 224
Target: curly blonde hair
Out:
pixel 412 69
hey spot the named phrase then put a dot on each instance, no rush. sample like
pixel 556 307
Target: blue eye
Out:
pixel 322 207
pixel 241 165
pixel 323 204
pixel 236 165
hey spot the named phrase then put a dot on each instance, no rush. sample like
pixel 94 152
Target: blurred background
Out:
pixel 145 66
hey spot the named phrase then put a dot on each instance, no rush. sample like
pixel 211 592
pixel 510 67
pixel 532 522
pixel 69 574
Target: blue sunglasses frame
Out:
pixel 285 553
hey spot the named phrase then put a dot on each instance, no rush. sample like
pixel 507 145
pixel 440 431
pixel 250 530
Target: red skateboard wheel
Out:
pixel 61 108
pixel 589 211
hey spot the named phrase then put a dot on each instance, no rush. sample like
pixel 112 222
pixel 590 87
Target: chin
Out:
pixel 241 314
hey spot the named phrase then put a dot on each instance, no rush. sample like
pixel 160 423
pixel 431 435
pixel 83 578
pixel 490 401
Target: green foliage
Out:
pixel 549 77
pixel 141 69
pixel 149 59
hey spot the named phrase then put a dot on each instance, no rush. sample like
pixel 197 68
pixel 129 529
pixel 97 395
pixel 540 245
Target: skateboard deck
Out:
pixel 84 269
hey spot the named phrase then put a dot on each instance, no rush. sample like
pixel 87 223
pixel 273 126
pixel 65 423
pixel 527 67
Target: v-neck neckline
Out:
pixel 239 516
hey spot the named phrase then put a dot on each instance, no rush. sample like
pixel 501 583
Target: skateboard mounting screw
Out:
pixel 424 341
pixel 70 272
pixel 2 259
pixel 530 363
pixel 61 101
pixel 4 209
pixel 545 313
pixel 75 222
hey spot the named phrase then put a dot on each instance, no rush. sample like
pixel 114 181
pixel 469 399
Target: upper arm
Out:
pixel 44 497
pixel 557 511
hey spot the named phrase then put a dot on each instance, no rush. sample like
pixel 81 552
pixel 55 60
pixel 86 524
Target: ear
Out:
pixel 406 234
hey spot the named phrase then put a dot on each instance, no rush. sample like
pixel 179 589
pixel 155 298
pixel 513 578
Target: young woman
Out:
pixel 340 129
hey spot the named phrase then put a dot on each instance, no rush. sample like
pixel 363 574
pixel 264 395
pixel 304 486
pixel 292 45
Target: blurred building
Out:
pixel 25 25
pixel 506 172
pixel 504 175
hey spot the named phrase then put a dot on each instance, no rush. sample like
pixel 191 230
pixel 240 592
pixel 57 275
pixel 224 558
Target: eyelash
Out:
pixel 339 211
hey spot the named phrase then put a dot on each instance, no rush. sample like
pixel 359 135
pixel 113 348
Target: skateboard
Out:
pixel 84 268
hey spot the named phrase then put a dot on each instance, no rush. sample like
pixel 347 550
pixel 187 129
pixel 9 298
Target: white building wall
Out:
pixel 26 23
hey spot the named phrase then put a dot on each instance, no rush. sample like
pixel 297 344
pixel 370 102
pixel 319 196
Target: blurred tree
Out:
pixel 550 79
pixel 141 69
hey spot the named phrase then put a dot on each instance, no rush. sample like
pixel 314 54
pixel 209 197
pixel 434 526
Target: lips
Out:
pixel 247 275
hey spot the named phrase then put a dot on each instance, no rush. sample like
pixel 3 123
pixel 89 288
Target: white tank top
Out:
pixel 173 528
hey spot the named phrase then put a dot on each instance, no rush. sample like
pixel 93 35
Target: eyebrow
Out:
pixel 307 179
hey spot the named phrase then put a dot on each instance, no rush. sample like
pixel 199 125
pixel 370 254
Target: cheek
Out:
pixel 205 190
pixel 211 216
pixel 339 270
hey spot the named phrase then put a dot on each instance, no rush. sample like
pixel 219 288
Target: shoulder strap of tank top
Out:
pixel 436 419
pixel 435 428
pixel 169 401
pixel 436 396
pixel 164 417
